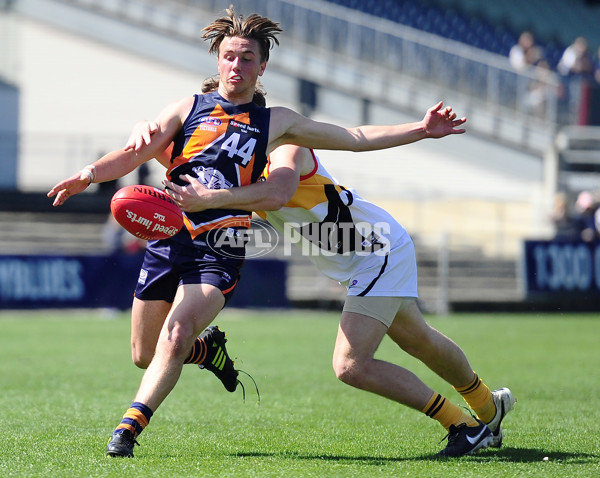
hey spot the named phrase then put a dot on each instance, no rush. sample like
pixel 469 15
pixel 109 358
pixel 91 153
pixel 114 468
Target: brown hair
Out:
pixel 212 84
pixel 254 27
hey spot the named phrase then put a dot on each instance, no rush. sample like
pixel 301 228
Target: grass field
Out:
pixel 66 379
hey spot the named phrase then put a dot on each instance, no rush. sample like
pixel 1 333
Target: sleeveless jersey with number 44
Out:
pixel 223 145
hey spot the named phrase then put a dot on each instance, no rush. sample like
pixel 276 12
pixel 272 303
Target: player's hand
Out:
pixel 69 187
pixel 193 197
pixel 141 134
pixel 439 122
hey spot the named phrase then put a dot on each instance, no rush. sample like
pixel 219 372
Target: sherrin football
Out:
pixel 146 212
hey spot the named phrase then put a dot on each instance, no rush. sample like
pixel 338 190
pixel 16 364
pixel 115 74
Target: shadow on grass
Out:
pixel 530 455
pixel 368 460
pixel 506 454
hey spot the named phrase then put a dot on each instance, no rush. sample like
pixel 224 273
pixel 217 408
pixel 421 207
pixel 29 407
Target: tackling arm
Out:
pixel 268 195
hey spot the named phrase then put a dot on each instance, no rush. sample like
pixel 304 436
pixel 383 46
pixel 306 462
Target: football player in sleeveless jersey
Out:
pixel 220 138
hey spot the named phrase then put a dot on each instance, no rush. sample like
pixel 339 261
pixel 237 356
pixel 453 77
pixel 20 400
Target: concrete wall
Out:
pixel 80 98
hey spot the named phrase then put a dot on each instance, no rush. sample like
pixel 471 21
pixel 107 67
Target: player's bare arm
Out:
pixel 287 163
pixel 118 163
pixel 155 137
pixel 287 126
pixel 113 165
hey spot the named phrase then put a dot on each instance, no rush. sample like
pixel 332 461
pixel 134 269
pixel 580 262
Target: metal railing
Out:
pixel 369 57
pixel 381 53
pixel 385 45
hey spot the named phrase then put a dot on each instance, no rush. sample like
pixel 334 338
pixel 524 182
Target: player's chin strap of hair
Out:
pixel 89 173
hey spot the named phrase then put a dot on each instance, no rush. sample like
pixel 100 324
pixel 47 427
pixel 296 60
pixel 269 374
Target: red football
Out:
pixel 146 212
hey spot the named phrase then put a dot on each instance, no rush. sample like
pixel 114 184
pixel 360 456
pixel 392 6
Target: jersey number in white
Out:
pixel 245 152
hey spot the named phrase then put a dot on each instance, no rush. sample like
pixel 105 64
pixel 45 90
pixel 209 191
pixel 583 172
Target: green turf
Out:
pixel 66 379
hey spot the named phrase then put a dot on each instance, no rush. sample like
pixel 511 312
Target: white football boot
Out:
pixel 504 401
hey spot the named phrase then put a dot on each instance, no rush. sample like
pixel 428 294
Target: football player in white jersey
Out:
pixel 364 248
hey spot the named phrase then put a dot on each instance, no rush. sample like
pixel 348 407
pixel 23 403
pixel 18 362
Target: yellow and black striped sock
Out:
pixel 198 353
pixel 479 397
pixel 136 418
pixel 440 409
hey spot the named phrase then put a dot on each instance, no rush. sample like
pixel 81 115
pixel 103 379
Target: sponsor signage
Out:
pixel 97 281
pixel 562 269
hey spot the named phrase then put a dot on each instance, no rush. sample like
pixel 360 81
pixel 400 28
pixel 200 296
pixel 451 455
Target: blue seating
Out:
pixel 493 26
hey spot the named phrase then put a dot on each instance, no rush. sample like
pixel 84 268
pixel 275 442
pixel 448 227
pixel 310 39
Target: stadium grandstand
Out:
pixel 76 74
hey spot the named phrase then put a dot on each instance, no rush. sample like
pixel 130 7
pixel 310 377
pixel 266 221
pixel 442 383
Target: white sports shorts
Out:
pixel 380 285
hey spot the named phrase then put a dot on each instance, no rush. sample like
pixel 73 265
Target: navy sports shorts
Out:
pixel 167 265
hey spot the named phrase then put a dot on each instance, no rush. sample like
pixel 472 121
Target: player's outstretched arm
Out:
pixel 439 122
pixel 289 127
pixel 113 165
pixel 118 163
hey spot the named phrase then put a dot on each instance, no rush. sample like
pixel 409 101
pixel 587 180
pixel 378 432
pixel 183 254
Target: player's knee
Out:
pixel 141 363
pixel 176 344
pixel 141 359
pixel 347 370
pixel 343 373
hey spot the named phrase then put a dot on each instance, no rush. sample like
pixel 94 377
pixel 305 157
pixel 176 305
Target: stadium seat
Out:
pixel 494 26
